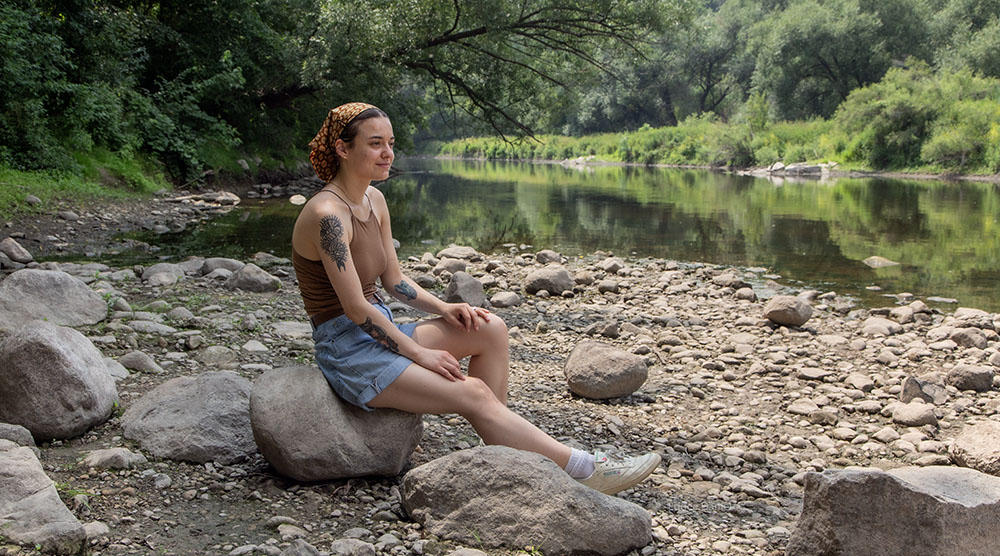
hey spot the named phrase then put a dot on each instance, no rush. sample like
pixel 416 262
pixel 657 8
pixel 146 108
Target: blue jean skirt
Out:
pixel 356 366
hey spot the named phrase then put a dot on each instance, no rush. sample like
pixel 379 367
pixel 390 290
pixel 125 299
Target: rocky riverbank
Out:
pixel 740 407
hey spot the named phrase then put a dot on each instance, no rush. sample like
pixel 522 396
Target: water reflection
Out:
pixel 945 235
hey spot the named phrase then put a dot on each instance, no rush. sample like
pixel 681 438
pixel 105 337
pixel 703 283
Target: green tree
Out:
pixel 815 52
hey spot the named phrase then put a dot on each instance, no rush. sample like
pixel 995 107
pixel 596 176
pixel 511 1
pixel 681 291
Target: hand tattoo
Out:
pixel 405 289
pixel 379 334
pixel 331 233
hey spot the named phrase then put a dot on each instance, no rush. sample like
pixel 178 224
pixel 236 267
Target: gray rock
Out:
pixel 113 458
pixel 463 288
pixel 449 265
pixel 878 326
pixel 218 356
pixel 970 377
pixel 180 315
pixel 611 265
pixel 219 275
pixel 978 447
pixel 292 329
pixel 115 369
pixel 53 382
pixel 150 327
pixel 552 278
pixel 16 434
pixel 599 371
pixel 969 337
pixel 31 512
pixel 607 286
pixel 172 273
pixel 902 315
pixel 51 295
pixel 495 496
pixel 215 263
pixel 505 299
pixel 914 388
pixel 787 310
pixel 730 280
pixel 307 433
pixel 201 418
pixel 928 511
pixel 457 252
pixel 254 279
pixel 10 247
pixel 32 200
pixel 351 547
pixel 546 256
pixel 914 414
pixel 139 361
pixel 299 547
pixel 192 265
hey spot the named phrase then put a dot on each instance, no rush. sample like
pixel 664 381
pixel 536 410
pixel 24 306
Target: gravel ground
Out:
pixel 739 408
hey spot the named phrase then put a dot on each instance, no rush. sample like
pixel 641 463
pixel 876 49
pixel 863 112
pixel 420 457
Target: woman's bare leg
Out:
pixel 488 347
pixel 419 390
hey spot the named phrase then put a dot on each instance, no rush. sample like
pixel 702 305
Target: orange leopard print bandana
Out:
pixel 323 156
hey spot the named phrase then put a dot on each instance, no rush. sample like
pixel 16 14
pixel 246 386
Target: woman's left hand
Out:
pixel 465 316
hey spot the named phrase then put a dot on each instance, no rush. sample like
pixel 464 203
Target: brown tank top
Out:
pixel 368 254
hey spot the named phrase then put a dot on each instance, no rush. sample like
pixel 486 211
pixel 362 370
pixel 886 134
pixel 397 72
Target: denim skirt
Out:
pixel 356 366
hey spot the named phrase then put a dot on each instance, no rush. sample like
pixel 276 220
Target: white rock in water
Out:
pixel 876 261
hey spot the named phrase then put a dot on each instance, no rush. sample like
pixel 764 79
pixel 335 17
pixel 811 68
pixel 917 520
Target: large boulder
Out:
pixel 199 419
pixel 495 496
pixel 53 382
pixel 55 296
pixel 31 512
pixel 553 278
pixel 253 278
pixel 978 447
pixel 925 511
pixel 464 288
pixel 787 310
pixel 598 371
pixel 308 433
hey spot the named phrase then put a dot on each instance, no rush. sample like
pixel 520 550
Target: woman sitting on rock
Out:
pixel 342 243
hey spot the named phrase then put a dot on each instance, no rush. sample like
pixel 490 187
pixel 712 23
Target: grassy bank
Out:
pixel 99 175
pixel 914 120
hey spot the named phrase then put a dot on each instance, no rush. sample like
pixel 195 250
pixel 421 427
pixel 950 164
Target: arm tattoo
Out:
pixel 406 290
pixel 376 331
pixel 331 234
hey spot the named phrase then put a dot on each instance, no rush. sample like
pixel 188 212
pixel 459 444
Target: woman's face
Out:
pixel 370 154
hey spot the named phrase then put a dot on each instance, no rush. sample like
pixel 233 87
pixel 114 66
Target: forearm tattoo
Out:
pixel 331 237
pixel 376 331
pixel 405 289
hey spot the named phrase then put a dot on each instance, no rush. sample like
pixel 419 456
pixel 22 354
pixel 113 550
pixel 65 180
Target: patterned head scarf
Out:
pixel 324 156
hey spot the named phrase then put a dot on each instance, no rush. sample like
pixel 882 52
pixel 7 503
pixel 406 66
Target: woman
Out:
pixel 342 243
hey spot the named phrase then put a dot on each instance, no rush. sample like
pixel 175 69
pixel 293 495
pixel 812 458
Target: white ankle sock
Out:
pixel 580 465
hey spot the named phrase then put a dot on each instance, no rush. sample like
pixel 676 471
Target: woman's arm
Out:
pixel 461 315
pixel 332 238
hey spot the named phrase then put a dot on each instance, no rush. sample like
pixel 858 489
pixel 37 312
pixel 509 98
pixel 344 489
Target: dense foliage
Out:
pixel 191 83
pixel 188 87
pixel 913 118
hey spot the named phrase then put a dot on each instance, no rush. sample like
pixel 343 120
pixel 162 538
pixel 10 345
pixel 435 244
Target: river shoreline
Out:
pixel 833 174
pixel 739 408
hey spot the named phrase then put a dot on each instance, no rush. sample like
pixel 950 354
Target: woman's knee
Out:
pixel 496 328
pixel 478 397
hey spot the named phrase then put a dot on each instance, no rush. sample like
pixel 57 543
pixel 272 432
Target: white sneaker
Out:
pixel 615 475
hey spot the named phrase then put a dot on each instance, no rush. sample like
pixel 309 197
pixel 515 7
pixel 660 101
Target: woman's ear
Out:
pixel 340 147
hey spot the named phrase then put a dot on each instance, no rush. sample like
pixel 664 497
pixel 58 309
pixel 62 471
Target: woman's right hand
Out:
pixel 441 362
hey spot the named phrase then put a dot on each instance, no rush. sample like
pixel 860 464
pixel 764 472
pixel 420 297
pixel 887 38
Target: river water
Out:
pixel 815 234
